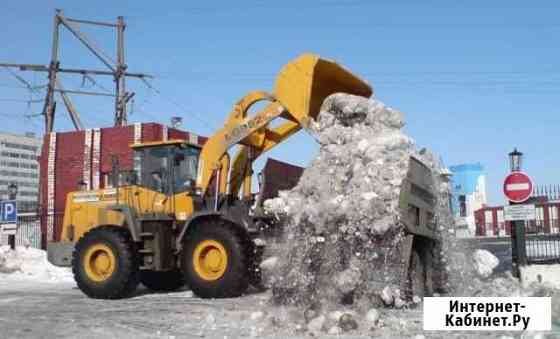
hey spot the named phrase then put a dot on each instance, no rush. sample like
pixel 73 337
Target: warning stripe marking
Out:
pixel 517 187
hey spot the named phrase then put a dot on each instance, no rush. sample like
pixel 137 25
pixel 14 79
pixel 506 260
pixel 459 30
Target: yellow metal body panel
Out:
pixel 88 209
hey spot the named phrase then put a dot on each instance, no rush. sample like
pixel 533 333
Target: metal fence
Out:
pixel 542 248
pixel 542 236
pixel 28 232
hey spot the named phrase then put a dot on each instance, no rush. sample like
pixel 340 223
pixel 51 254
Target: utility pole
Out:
pixel 118 70
pixel 120 105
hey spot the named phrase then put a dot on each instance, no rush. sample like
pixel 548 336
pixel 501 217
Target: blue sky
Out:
pixel 474 79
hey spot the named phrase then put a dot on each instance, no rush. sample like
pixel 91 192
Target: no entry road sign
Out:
pixel 518 187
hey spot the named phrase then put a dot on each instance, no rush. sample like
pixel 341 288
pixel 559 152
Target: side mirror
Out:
pixel 189 185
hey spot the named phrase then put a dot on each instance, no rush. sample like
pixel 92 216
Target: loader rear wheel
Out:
pixel 162 281
pixel 215 261
pixel 105 263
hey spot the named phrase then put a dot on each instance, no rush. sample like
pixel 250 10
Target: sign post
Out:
pixel 518 188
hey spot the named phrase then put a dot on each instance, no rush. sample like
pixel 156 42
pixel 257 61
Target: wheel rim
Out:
pixel 99 262
pixel 210 260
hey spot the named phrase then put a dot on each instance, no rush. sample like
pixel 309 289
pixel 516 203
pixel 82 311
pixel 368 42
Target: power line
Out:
pixel 23 101
pixel 196 115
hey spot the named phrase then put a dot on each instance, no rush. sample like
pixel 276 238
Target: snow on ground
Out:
pixel 30 264
pixel 32 309
pixel 546 274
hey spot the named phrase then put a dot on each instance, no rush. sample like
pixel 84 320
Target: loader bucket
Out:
pixel 303 84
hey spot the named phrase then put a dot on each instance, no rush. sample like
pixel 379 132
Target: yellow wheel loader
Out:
pixel 183 215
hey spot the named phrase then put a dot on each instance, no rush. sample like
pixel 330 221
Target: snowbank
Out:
pixel 30 263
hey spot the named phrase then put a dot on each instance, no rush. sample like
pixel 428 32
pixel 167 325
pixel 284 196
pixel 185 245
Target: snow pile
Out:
pixel 484 262
pixel 30 263
pixel 344 230
pixel 354 183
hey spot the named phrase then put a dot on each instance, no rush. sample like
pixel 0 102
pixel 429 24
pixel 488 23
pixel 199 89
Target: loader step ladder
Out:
pixel 147 251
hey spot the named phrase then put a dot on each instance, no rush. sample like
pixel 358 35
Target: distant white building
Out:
pixel 468 184
pixel 19 165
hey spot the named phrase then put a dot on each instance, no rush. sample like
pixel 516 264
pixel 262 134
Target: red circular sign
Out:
pixel 518 187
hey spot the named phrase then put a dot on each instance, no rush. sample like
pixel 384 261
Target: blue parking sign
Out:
pixel 8 211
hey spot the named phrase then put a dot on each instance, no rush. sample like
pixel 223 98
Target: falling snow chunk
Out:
pixel 484 262
pixel 369 195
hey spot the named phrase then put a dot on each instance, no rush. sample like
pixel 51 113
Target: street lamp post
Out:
pixel 515 160
pixel 12 195
pixel 518 250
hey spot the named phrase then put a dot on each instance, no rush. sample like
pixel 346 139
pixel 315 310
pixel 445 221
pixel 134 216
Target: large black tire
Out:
pixel 230 279
pixel 162 281
pixel 120 277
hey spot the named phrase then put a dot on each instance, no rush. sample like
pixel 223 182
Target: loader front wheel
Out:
pixel 105 263
pixel 215 261
pixel 162 281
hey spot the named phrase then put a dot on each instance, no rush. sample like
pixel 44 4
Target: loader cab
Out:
pixel 167 167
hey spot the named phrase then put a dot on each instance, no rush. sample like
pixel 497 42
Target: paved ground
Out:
pixel 59 310
pixel 34 310
pixel 31 309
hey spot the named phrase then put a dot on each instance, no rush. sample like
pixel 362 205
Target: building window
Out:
pixel 19 155
pixel 462 206
pixel 500 215
pixel 20 146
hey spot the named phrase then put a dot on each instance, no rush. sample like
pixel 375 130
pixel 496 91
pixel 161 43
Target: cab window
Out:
pixel 185 165
pixel 152 167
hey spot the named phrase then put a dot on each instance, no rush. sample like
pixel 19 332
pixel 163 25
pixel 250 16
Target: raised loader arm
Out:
pixel 301 86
